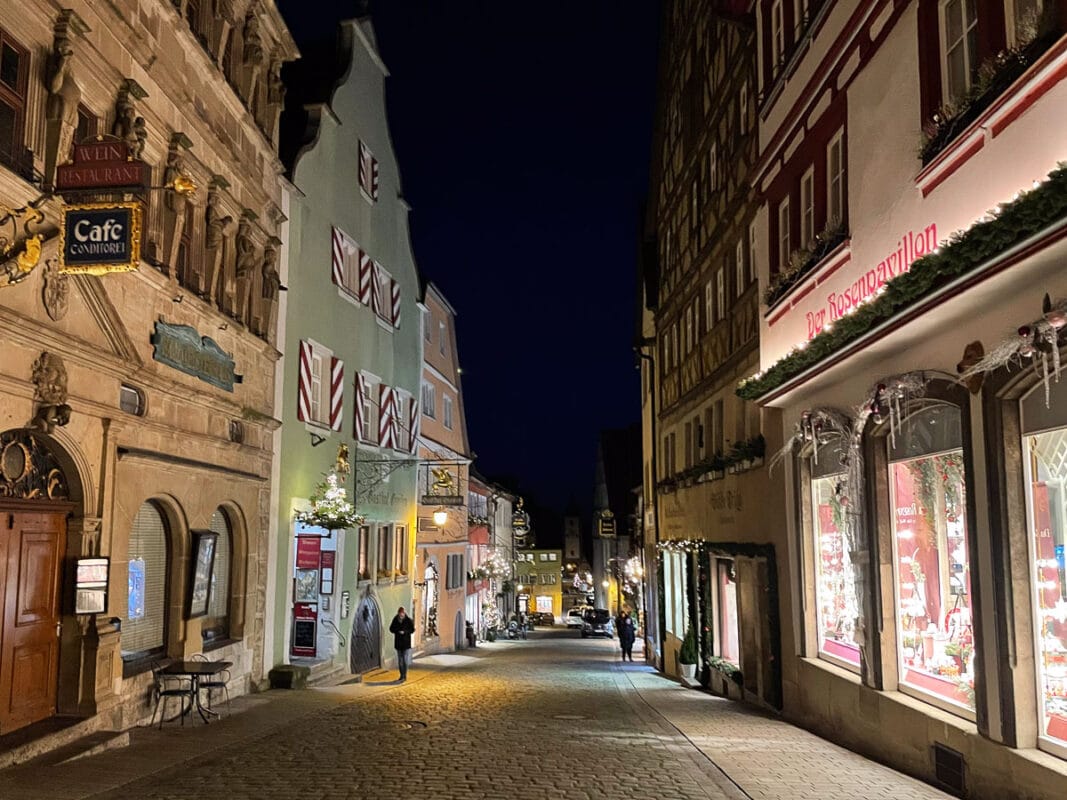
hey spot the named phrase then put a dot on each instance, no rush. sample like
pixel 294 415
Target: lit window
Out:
pixel 1024 21
pixel 784 250
pixel 959 35
pixel 448 412
pixel 216 625
pixel 441 337
pixel 144 629
pixel 935 628
pixel 385 569
pixel 429 400
pixel 807 208
pixel 835 181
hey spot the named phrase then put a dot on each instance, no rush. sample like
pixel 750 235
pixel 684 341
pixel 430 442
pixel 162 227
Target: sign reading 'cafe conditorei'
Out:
pixel 98 238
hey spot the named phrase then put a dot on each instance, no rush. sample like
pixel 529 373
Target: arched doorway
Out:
pixel 35 501
pixel 365 653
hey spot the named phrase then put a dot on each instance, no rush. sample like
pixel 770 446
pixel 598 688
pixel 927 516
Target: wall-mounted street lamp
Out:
pixel 440 517
pixel 606 584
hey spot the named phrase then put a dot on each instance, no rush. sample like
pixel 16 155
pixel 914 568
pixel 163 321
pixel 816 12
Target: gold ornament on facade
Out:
pixel 20 242
pixel 183 185
pixel 342 466
pixel 443 482
pixel 28 469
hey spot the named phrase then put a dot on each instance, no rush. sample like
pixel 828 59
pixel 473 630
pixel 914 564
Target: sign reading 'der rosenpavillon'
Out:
pixel 181 347
pixel 98 238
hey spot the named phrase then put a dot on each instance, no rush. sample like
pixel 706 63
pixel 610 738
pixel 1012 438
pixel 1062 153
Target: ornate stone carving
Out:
pixel 245 270
pixel 218 227
pixel 28 469
pixel 50 392
pixel 55 290
pixel 272 284
pixel 253 49
pixel 22 231
pixel 61 107
pixel 176 204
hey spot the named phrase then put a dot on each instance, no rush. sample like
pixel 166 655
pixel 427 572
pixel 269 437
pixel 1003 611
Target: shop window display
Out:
pixel 835 587
pixel 1046 456
pixel 933 570
pixel 729 648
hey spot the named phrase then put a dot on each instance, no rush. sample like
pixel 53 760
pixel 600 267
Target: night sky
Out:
pixel 522 132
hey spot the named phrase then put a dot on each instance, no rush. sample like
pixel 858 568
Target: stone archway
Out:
pixel 38 487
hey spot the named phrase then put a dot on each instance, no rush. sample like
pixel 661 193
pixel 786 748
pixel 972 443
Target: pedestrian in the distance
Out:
pixel 402 627
pixel 627 633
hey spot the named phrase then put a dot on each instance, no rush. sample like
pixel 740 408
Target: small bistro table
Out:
pixel 195 670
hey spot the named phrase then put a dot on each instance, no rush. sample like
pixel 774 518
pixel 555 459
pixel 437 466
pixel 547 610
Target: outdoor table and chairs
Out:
pixel 185 680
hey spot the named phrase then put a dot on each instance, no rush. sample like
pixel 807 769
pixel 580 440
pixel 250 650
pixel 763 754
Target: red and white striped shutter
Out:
pixel 364 167
pixel 385 416
pixel 337 393
pixel 414 418
pixel 361 398
pixel 394 289
pixel 398 420
pixel 366 278
pixel 376 291
pixel 338 259
pixel 374 177
pixel 303 388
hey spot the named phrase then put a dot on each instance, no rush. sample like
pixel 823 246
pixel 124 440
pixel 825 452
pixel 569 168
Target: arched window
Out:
pixel 933 565
pixel 144 631
pixel 216 625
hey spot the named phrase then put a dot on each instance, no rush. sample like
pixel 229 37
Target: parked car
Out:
pixel 573 617
pixel 598 622
pixel 543 618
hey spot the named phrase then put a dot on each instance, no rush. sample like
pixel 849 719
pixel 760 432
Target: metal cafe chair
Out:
pixel 166 687
pixel 213 682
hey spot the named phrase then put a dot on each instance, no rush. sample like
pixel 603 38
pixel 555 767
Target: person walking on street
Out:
pixel 627 634
pixel 402 627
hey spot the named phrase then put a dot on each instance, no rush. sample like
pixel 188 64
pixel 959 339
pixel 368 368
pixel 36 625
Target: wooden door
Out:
pixel 31 556
pixel 366 649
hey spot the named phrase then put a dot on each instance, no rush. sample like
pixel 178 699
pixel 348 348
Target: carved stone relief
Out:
pixel 55 291
pixel 28 469
pixel 50 392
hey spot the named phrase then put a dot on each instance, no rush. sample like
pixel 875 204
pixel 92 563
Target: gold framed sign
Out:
pixel 99 238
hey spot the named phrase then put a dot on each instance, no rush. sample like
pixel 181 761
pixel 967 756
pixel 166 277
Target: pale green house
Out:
pixel 352 342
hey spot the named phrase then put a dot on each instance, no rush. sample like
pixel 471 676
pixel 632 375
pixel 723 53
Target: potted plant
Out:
pixel 687 655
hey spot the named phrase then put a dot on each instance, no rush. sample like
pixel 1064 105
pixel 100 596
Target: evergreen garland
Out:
pixel 1016 221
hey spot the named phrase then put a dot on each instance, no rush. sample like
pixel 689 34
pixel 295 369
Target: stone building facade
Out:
pixel 705 483
pixel 136 410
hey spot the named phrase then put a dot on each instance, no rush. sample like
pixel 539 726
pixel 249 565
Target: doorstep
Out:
pixel 59 739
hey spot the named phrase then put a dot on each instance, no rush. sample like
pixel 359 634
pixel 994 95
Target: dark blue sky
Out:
pixel 522 131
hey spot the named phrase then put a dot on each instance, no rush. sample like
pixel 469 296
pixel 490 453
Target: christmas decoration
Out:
pixel 1022 218
pixel 330 508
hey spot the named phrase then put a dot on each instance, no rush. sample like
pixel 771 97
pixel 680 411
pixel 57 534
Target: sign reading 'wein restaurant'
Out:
pixel 181 347
pixel 98 238
pixel 103 165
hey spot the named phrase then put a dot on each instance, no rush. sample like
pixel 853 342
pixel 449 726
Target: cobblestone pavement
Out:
pixel 554 716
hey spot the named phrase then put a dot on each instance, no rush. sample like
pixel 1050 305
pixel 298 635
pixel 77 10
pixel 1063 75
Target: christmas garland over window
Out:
pixel 1014 222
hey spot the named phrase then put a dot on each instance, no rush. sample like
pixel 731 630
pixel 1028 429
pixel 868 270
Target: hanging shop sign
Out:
pixel 102 166
pixel 99 238
pixel 181 347
pixel 442 500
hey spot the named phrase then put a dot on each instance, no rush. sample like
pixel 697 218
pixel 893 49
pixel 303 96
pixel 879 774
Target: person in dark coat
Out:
pixel 402 627
pixel 627 633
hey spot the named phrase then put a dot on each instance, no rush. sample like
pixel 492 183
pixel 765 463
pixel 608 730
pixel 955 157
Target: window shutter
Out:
pixel 366 278
pixel 361 399
pixel 219 602
pixel 414 419
pixel 394 288
pixel 374 177
pixel 303 389
pixel 385 418
pixel 364 168
pixel 376 291
pixel 337 392
pixel 338 258
pixel 397 402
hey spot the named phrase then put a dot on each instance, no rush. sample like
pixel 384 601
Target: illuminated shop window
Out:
pixel 1045 456
pixel 835 587
pixel 726 618
pixel 933 567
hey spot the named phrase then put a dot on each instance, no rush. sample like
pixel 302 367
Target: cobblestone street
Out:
pixel 554 716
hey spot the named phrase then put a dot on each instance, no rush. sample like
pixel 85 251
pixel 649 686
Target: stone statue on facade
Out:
pixel 125 125
pixel 245 271
pixel 253 43
pixel 217 226
pixel 272 284
pixel 63 95
pixel 50 391
pixel 140 138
